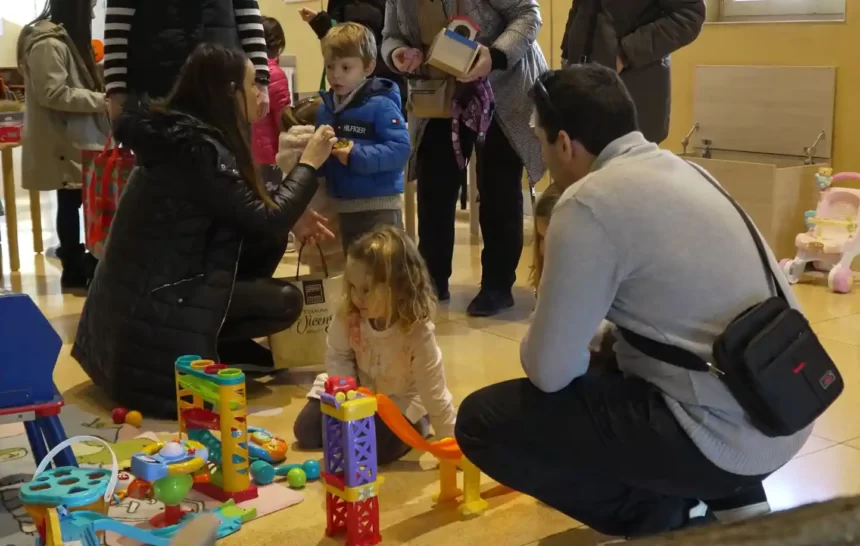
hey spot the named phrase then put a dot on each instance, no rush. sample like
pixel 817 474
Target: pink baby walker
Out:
pixel 832 241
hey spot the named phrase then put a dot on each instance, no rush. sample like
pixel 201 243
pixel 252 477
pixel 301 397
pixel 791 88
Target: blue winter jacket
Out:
pixel 374 123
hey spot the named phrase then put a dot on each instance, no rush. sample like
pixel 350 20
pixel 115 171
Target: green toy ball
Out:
pixel 172 489
pixel 297 478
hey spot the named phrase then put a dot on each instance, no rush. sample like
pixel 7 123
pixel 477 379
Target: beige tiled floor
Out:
pixel 477 352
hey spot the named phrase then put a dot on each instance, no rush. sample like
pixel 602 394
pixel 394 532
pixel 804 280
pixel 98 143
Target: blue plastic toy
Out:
pixel 173 458
pixel 69 486
pixel 264 473
pixel 83 527
pixel 29 347
pixel 70 504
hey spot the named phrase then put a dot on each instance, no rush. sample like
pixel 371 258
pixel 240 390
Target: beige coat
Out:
pixel 58 86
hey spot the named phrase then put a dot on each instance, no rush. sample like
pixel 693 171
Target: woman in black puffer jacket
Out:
pixel 195 240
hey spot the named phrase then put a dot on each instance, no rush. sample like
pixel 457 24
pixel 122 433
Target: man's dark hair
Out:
pixel 589 102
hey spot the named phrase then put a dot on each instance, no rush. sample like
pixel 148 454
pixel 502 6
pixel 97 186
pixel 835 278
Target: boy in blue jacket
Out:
pixel 365 173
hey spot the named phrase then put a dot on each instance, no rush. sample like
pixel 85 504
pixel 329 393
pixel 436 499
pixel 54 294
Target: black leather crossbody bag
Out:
pixel 768 357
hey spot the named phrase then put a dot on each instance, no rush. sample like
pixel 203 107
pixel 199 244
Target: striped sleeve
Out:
pixel 119 15
pixel 250 25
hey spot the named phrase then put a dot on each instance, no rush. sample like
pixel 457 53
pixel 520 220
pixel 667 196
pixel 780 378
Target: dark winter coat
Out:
pixel 167 277
pixel 164 33
pixel 643 33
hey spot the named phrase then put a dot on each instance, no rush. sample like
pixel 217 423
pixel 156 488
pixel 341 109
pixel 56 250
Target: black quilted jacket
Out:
pixel 165 283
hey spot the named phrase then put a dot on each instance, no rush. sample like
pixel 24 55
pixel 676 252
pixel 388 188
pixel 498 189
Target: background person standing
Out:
pixel 147 42
pixel 635 37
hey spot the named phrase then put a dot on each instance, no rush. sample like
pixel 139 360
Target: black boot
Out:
pixel 76 273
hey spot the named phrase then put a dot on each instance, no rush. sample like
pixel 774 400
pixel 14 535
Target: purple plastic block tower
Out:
pixel 361 455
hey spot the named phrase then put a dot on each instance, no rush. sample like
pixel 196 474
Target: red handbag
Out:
pixel 105 175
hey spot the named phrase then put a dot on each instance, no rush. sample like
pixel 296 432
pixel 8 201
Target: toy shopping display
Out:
pixel 350 473
pixel 832 241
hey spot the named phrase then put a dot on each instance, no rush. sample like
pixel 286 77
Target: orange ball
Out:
pixel 98 50
pixel 134 418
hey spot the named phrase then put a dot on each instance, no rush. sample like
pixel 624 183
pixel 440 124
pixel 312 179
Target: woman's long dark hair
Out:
pixel 76 17
pixel 206 89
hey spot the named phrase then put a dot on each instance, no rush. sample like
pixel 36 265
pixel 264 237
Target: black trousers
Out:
pixel 500 174
pixel 260 305
pixel 606 450
pixel 68 218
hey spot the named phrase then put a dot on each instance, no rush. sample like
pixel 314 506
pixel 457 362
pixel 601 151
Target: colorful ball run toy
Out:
pixel 203 381
pixel 446 450
pixel 169 468
pixel 349 446
pixel 69 505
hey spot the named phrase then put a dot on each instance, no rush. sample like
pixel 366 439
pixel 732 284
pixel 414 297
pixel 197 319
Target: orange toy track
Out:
pixel 390 414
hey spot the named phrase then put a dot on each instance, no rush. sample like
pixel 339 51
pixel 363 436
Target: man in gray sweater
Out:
pixel 640 238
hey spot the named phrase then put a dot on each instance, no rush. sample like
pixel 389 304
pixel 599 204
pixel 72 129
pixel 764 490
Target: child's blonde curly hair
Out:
pixel 398 272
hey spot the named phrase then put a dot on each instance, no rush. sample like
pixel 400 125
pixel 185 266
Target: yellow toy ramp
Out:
pixel 390 414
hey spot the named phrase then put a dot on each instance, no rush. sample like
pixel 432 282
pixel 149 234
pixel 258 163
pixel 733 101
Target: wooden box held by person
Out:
pixel 454 49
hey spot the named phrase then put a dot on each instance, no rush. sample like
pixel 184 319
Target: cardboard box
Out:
pixel 454 49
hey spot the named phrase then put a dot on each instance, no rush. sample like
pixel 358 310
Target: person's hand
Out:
pixel 307 14
pixel 262 101
pixel 115 103
pixel 407 59
pixel 319 147
pixel 481 67
pixel 619 64
pixel 342 153
pixel 312 228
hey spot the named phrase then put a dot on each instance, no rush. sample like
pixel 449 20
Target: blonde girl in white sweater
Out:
pixel 383 336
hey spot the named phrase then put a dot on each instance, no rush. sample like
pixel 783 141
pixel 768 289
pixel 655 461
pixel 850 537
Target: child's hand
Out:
pixel 307 14
pixel 341 152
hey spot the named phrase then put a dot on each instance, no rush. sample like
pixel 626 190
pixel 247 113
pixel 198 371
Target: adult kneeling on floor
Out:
pixel 644 239
pixel 196 238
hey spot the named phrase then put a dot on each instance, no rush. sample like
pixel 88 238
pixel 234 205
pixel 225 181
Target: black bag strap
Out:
pixel 676 355
pixel 322 259
pixel 589 38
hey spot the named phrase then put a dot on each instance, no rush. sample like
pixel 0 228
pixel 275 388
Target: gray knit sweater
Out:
pixel 646 242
